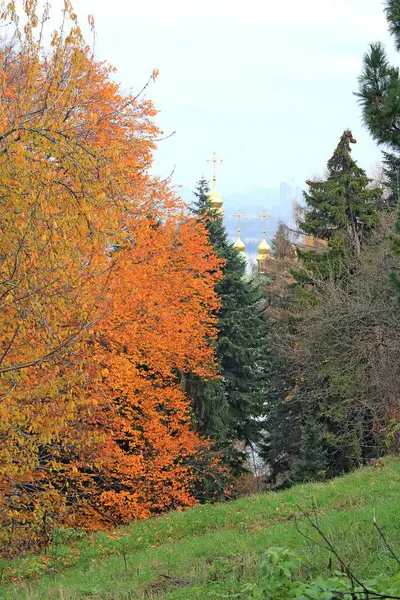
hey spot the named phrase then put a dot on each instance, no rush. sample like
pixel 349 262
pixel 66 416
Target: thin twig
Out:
pixel 369 593
pixel 375 524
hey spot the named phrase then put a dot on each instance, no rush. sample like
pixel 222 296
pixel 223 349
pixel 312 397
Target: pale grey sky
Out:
pixel 266 84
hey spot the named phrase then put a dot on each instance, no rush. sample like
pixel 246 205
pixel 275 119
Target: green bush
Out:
pixel 277 582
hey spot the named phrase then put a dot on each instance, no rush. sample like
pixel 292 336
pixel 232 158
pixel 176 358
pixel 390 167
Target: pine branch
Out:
pixel 393 16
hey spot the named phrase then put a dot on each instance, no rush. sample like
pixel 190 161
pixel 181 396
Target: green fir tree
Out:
pixel 281 442
pixel 391 171
pixel 311 462
pixel 230 410
pixel 341 209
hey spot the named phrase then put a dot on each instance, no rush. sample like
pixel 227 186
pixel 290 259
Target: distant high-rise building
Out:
pixel 289 194
pixel 285 195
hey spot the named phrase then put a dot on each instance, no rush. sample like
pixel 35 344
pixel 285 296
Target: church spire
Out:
pixel 215 199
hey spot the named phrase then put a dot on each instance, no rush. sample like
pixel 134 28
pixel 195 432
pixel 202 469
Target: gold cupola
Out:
pixel 215 199
pixel 239 244
pixel 264 249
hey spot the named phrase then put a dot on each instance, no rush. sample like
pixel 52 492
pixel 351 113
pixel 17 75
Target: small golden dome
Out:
pixel 239 244
pixel 215 199
pixel 263 249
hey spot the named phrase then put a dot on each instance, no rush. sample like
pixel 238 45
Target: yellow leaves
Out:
pixel 155 74
pixel 54 38
pixel 110 284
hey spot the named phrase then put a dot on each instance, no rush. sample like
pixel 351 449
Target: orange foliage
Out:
pixel 155 329
pixel 106 295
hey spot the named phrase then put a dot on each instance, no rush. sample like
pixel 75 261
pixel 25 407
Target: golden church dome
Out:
pixel 264 249
pixel 239 244
pixel 215 199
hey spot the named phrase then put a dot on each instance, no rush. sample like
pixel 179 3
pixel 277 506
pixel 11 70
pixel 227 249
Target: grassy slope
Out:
pixel 211 550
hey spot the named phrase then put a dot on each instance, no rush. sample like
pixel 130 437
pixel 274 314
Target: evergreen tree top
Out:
pixel 341 208
pixel 393 16
pixel 379 86
pixel 217 232
pixel 201 205
pixel 341 160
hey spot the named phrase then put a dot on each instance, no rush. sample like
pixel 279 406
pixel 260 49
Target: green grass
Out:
pixel 211 550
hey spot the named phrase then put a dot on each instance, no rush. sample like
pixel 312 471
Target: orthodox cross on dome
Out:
pixel 239 215
pixel 264 216
pixel 239 244
pixel 215 161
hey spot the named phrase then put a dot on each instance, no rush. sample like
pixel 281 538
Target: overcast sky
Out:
pixel 267 84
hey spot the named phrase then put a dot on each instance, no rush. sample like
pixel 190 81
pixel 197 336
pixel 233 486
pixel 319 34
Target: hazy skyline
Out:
pixel 267 85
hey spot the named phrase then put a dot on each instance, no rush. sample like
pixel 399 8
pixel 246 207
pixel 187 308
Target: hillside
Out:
pixel 210 550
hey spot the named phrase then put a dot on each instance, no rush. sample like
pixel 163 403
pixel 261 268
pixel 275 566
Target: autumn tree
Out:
pixel 104 296
pixel 145 464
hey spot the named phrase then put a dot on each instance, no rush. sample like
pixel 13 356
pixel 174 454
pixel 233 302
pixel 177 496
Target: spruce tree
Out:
pixel 282 247
pixel 391 170
pixel 379 95
pixel 281 442
pixel 340 209
pixel 230 410
pixel 311 462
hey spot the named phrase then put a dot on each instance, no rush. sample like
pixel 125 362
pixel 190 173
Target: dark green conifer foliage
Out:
pixel 340 209
pixel 282 438
pixel 379 95
pixel 379 86
pixel 311 463
pixel 343 210
pixel 391 170
pixel 231 409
